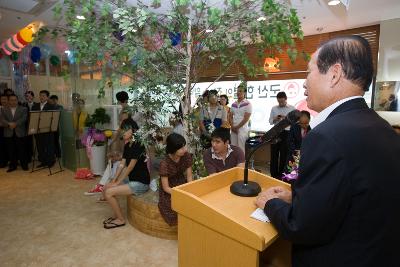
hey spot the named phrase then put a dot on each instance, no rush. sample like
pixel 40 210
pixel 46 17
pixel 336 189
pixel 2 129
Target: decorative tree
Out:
pixel 165 49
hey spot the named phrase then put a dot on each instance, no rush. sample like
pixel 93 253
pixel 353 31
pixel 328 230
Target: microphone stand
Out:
pixel 246 188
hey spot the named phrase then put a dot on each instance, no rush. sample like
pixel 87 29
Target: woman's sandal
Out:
pixel 109 220
pixel 111 224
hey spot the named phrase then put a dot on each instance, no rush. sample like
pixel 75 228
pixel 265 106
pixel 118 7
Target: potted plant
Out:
pixel 94 139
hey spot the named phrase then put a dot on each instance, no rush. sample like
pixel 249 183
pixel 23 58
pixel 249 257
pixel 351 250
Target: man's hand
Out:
pixel 12 125
pixel 273 192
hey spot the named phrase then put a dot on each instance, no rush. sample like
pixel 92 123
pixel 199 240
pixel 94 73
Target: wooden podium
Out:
pixel 215 228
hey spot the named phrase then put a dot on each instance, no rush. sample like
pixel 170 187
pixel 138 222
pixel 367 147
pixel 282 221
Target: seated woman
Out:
pixel 133 160
pixel 173 168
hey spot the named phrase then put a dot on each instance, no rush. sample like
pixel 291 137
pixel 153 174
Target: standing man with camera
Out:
pixel 279 149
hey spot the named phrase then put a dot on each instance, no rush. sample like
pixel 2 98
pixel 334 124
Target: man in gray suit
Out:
pixel 14 121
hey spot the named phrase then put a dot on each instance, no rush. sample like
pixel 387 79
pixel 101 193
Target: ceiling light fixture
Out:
pixel 261 19
pixel 80 17
pixel 209 30
pixel 334 2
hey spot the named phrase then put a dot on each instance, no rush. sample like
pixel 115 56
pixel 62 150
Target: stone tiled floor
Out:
pixel 47 221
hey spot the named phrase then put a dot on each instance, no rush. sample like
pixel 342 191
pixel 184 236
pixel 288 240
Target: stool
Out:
pixel 143 214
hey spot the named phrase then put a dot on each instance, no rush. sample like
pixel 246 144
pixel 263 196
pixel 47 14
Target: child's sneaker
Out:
pixel 96 190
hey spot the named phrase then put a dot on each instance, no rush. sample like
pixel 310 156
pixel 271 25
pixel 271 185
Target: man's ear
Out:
pixel 336 72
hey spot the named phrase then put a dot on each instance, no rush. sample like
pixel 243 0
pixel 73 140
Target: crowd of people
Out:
pixel 16 146
pixel 224 131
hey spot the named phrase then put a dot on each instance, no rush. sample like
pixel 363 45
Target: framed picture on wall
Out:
pixel 386 96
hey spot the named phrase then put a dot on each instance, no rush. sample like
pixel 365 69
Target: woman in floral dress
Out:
pixel 175 169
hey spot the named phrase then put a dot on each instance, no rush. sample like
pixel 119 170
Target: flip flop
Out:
pixel 108 220
pixel 113 225
pixel 101 200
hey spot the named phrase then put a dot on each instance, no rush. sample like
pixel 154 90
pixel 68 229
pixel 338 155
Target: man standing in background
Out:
pixel 239 119
pixel 44 141
pixel 14 121
pixel 279 149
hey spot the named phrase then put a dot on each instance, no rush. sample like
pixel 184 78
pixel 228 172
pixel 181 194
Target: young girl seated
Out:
pixel 133 160
pixel 114 160
pixel 173 169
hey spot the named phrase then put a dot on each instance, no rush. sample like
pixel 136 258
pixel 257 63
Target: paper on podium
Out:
pixel 259 214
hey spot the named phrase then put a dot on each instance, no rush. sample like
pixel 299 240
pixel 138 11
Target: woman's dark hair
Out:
pixel 122 96
pixel 305 113
pixel 353 53
pixel 226 97
pixel 129 123
pixel 222 133
pixel 54 97
pixel 174 143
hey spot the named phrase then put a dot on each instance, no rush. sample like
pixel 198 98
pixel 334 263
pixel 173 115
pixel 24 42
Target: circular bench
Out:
pixel 143 214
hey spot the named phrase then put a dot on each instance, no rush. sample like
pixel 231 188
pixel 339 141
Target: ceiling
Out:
pixel 316 15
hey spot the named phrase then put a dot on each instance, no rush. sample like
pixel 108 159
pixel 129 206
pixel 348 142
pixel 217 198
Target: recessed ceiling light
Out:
pixel 209 30
pixel 80 17
pixel 334 2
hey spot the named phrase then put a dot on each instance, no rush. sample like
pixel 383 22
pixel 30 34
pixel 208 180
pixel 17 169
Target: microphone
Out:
pixel 291 118
pixel 248 188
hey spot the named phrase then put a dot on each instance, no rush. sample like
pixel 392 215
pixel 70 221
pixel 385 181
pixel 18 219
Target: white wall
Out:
pixel 389 51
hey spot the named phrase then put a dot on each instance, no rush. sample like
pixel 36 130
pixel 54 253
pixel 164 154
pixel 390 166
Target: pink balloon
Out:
pixel 61 46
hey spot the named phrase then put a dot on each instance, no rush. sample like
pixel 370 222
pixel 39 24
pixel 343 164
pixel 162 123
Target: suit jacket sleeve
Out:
pixel 291 141
pixel 22 119
pixel 321 195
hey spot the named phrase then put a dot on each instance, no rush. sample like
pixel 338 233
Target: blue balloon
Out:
pixel 46 50
pixel 176 38
pixel 71 57
pixel 35 54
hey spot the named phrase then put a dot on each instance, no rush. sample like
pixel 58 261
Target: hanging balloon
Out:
pixel 54 60
pixel 61 46
pixel 22 41
pixel 71 57
pixel 14 56
pixel 6 50
pixel 176 38
pixel 26 34
pixel 35 54
pixel 118 35
pixel 46 50
pixel 16 42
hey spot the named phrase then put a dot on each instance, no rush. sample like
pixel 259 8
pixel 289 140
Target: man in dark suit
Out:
pixel 342 210
pixel 44 141
pixel 29 96
pixel 14 119
pixel 296 134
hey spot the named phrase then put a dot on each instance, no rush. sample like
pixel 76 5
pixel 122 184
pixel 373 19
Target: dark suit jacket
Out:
pixel 47 106
pixel 19 118
pixel 295 139
pixel 345 206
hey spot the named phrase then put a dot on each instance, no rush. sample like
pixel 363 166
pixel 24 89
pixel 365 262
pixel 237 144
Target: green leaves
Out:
pixel 214 16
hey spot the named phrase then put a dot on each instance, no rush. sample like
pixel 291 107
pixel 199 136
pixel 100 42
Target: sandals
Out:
pixel 101 200
pixel 108 220
pixel 111 225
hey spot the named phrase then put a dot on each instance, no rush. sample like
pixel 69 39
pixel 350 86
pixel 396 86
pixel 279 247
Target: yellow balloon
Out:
pixel 26 34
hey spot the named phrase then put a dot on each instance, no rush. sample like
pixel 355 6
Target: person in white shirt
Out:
pixel 279 149
pixel 239 118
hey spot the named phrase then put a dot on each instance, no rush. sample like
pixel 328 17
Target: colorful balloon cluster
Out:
pixel 18 41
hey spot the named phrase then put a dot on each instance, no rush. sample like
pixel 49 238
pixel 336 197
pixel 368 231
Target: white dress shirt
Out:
pixel 321 117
